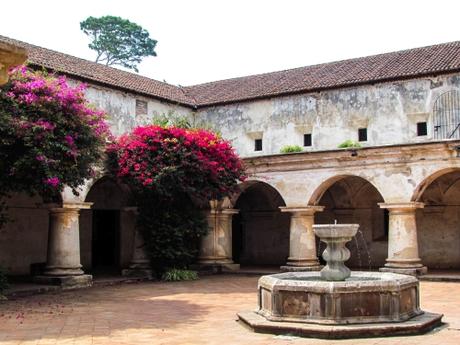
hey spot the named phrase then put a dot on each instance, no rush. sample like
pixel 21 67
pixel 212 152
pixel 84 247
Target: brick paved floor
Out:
pixel 200 312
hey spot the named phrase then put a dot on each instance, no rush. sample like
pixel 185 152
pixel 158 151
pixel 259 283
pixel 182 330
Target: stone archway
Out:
pixel 260 231
pixel 107 229
pixel 353 199
pixel 438 221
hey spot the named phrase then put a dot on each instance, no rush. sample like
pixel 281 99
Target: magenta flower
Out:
pixel 52 181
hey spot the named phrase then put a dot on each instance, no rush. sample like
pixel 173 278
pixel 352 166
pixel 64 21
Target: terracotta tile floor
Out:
pixel 200 312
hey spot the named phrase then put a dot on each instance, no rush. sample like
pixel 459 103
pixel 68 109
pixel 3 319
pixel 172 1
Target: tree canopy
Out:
pixel 118 41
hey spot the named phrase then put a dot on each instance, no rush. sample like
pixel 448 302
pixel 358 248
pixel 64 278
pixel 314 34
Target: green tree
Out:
pixel 118 41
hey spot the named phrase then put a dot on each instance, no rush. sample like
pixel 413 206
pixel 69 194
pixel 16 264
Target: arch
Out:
pixel 106 182
pixel 437 222
pixel 427 181
pixel 353 199
pixel 446 115
pixel 242 187
pixel 260 231
pixel 325 185
pixel 107 229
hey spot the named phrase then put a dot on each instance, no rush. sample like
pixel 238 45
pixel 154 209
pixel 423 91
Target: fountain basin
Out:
pixel 364 297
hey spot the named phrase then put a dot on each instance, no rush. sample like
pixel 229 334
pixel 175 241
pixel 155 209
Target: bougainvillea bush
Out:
pixel 50 136
pixel 167 168
pixel 168 159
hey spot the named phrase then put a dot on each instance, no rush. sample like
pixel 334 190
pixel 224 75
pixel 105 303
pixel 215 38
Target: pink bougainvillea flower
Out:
pixel 52 181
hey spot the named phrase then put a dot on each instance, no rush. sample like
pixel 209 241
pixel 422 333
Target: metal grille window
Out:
pixel 446 116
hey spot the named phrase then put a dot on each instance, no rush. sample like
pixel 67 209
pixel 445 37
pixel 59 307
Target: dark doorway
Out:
pixel 260 235
pixel 106 240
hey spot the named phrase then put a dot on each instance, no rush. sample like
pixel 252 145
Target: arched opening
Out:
pixel 107 229
pixel 352 199
pixel 260 233
pixel 438 223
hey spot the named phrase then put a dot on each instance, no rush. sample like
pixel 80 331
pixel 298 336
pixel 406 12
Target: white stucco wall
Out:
pixel 390 112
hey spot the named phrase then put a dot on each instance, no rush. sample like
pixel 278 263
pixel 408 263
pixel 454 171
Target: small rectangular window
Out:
pixel 362 134
pixel 421 129
pixel 141 107
pixel 258 145
pixel 307 139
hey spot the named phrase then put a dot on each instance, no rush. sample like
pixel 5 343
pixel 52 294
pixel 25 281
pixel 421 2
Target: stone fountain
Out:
pixel 338 303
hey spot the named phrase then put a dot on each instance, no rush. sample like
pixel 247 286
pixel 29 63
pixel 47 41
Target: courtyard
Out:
pixel 191 312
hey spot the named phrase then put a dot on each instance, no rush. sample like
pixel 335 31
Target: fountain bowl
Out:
pixel 336 230
pixel 367 304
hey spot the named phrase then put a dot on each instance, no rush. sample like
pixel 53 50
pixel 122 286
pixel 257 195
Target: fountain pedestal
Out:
pixel 337 303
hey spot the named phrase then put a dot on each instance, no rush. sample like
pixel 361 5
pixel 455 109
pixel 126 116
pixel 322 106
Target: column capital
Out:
pixel 305 210
pixel 133 209
pixel 77 205
pixel 223 211
pixel 401 206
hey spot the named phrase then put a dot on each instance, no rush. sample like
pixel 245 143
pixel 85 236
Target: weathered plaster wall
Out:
pixel 389 111
pixel 438 223
pixel 23 240
pixel 121 108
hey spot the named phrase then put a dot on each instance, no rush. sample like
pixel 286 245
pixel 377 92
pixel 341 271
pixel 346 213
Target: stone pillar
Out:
pixel 10 56
pixel 403 255
pixel 302 241
pixel 216 246
pixel 63 265
pixel 140 263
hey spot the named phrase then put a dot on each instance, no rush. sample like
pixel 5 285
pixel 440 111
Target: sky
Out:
pixel 206 40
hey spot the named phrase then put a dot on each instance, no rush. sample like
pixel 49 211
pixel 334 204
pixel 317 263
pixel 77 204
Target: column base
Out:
pixel 289 268
pixel 412 271
pixel 301 265
pixel 66 282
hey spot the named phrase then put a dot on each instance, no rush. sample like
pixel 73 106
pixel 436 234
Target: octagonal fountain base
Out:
pixel 365 304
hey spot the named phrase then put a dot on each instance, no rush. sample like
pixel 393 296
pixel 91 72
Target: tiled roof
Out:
pixel 411 63
pixel 102 74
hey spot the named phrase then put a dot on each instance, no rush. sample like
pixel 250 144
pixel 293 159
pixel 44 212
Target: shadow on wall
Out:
pixel 107 229
pixel 260 231
pixel 438 222
pixel 352 199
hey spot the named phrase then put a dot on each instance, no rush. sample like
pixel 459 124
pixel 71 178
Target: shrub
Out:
pixel 349 144
pixel 172 229
pixel 169 160
pixel 291 149
pixel 179 275
pixel 167 167
pixel 48 128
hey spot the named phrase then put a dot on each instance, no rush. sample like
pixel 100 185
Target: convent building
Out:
pixel 402 185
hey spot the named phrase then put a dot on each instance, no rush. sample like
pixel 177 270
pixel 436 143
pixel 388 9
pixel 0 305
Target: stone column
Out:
pixel 63 265
pixel 302 241
pixel 140 263
pixel 403 255
pixel 216 246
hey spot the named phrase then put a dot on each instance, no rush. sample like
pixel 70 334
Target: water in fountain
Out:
pixel 366 249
